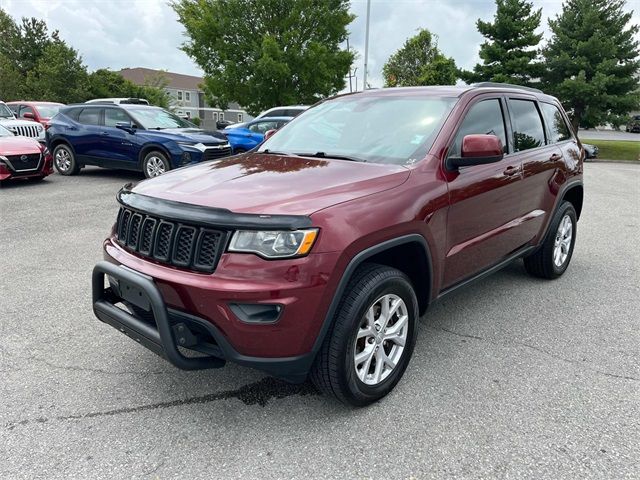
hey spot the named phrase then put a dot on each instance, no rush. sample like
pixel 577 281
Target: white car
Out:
pixel 290 111
pixel 120 101
pixel 24 128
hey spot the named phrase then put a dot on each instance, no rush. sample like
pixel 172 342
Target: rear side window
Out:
pixel 556 125
pixel 72 113
pixel 485 118
pixel 276 113
pixel 89 116
pixel 527 125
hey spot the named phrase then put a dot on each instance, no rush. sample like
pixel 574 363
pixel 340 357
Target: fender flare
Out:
pixel 351 267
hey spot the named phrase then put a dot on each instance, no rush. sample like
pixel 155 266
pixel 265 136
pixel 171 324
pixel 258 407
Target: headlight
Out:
pixel 274 244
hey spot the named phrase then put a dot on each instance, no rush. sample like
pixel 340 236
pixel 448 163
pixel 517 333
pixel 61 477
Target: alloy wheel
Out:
pixel 381 339
pixel 63 160
pixel 155 166
pixel 562 243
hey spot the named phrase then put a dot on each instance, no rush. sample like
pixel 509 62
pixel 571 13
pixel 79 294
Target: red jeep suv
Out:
pixel 316 253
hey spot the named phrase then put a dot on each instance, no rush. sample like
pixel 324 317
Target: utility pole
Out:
pixel 366 44
pixel 350 87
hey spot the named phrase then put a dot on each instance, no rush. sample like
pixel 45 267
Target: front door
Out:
pixel 484 200
pixel 119 147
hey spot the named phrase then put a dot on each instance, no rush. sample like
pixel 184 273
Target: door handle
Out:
pixel 104 133
pixel 555 157
pixel 511 171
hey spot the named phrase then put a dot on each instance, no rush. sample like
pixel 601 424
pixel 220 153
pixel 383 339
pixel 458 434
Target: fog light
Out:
pixel 186 158
pixel 256 312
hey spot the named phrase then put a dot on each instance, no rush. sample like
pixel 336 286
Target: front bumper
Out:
pixel 171 333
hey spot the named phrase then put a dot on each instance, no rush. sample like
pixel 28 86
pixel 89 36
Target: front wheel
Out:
pixel 155 164
pixel 552 258
pixel 369 347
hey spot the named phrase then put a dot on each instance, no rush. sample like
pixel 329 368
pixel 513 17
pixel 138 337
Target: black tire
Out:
pixel 334 369
pixel 239 150
pixel 65 160
pixel 541 263
pixel 151 164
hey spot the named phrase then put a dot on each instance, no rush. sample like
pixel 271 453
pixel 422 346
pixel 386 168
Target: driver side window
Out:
pixel 485 117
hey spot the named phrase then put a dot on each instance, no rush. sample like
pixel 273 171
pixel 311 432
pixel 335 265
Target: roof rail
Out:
pixel 506 85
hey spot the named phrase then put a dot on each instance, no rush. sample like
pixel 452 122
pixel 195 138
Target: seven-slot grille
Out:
pixel 213 153
pixel 27 130
pixel 185 246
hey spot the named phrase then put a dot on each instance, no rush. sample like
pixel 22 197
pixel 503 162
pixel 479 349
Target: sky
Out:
pixel 145 33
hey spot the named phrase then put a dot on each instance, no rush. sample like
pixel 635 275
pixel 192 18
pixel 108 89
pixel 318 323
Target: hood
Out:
pixel 195 135
pixel 273 184
pixel 18 146
pixel 7 122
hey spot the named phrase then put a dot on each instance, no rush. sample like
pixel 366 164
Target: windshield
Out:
pixel 4 132
pixel 5 112
pixel 48 111
pixel 157 118
pixel 378 129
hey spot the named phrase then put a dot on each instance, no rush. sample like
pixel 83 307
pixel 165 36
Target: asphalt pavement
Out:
pixel 513 377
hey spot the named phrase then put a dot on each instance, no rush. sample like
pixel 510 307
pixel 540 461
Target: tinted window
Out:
pixel 262 127
pixel 557 127
pixel 112 116
pixel 72 113
pixel 277 113
pixel 485 118
pixel 89 116
pixel 527 125
pixel 292 112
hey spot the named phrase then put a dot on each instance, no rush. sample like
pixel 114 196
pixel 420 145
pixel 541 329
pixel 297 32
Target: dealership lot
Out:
pixel 512 377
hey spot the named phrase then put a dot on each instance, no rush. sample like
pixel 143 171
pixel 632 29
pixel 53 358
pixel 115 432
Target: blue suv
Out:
pixel 131 137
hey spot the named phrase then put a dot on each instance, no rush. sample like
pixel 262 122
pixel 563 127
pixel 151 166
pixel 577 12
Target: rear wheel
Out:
pixel 368 349
pixel 552 258
pixel 154 164
pixel 65 160
pixel 239 150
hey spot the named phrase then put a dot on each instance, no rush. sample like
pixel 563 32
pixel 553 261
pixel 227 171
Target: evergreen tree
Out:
pixel 593 61
pixel 510 52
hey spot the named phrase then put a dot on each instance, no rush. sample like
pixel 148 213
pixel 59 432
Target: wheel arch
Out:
pixel 61 141
pixel 150 148
pixel 391 253
pixel 575 195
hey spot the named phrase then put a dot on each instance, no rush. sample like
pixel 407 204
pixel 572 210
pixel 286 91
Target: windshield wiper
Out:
pixel 271 152
pixel 331 155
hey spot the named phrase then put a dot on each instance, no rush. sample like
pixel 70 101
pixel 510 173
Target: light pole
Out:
pixel 366 45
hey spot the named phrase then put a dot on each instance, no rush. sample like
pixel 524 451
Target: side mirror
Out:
pixel 29 115
pixel 477 150
pixel 126 126
pixel 269 133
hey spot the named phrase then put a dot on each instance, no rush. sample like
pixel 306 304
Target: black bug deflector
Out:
pixel 170 329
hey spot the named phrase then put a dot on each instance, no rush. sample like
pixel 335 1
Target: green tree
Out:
pixel 58 75
pixel 419 62
pixel 510 53
pixel 104 83
pixel 262 53
pixel 592 61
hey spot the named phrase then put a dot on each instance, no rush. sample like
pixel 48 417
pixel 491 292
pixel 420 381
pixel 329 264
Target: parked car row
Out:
pixel 123 133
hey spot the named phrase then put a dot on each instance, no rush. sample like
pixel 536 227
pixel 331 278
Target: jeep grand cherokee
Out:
pixel 315 254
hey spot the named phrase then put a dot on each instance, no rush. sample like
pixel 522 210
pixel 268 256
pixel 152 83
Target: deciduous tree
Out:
pixel 263 53
pixel 419 62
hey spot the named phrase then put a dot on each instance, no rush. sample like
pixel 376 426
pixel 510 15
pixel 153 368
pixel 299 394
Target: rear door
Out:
pixel 484 208
pixel 87 140
pixel 541 158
